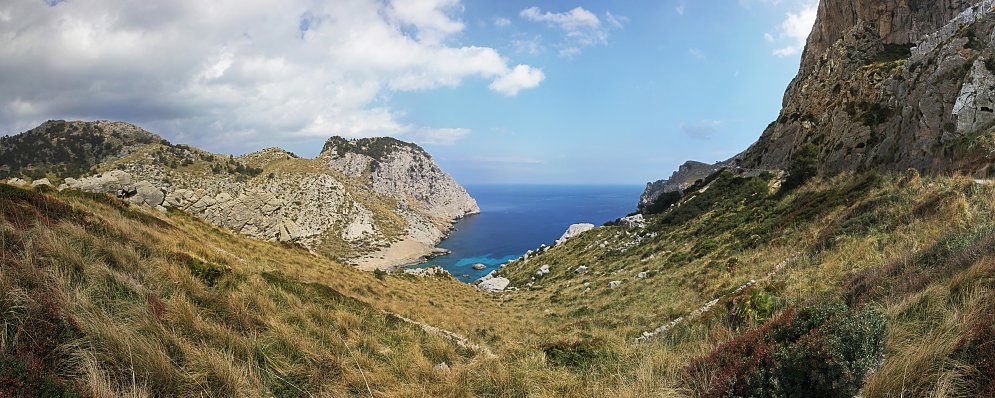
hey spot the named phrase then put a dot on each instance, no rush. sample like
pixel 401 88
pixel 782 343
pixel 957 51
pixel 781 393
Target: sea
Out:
pixel 516 218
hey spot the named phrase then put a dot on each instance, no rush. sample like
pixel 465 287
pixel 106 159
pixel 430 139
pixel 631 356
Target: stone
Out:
pixel 614 284
pixel 634 221
pixel 574 230
pixel 494 284
pixel 17 182
pixel 643 275
pixel 441 367
pixel 543 270
pixel 426 272
pixel 479 266
pixel 44 182
pixel 581 269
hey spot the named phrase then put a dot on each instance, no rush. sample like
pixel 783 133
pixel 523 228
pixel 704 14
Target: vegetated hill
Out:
pixel 387 209
pixel 68 149
pixel 877 284
pixel 891 274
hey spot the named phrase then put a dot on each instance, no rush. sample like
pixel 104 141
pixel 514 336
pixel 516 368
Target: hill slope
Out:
pixel 387 220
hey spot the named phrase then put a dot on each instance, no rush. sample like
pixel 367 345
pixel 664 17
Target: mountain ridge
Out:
pixel 354 213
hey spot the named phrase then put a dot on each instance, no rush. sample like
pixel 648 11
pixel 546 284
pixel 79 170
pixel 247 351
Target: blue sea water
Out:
pixel 517 218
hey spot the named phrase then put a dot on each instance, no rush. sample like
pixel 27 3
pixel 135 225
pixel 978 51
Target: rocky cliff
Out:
pixel 891 85
pixel 684 177
pixel 350 210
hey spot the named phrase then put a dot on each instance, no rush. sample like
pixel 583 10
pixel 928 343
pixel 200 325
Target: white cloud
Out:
pixel 582 28
pixel 520 78
pixel 795 30
pixel 436 136
pixel 696 53
pixel 236 74
pixel 681 8
pixel 501 22
pixel 769 37
pixel 702 130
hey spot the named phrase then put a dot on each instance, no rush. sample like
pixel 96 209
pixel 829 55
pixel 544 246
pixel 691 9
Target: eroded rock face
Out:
pixel 395 196
pixel 402 171
pixel 894 21
pixel 868 106
pixel 684 177
pixel 573 231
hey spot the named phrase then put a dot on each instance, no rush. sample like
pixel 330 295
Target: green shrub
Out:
pixel 820 351
pixel 577 354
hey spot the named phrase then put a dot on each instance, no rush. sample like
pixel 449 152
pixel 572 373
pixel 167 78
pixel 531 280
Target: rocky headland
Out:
pixel 376 203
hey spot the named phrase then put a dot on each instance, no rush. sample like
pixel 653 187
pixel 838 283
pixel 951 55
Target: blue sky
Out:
pixel 568 92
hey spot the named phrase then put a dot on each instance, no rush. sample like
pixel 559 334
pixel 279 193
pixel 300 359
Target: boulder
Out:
pixel 542 270
pixel 581 269
pixel 614 284
pixel 479 266
pixel 42 182
pixel 494 284
pixel 17 182
pixel 574 230
pixel 643 275
pixel 426 272
pixel 636 221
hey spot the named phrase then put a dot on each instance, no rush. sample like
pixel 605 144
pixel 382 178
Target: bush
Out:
pixel 821 351
pixel 804 166
pixel 577 354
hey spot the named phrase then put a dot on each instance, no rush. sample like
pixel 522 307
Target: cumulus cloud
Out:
pixel 795 30
pixel 581 28
pixel 520 78
pixel 234 74
pixel 501 22
pixel 702 130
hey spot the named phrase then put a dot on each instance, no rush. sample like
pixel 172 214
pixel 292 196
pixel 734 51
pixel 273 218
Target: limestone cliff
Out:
pixel 361 217
pixel 402 171
pixel 684 177
pixel 890 85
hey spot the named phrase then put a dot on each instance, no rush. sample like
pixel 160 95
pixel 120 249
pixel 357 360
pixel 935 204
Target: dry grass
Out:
pixel 176 307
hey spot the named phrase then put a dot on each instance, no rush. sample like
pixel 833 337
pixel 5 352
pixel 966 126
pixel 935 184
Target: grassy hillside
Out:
pixel 874 284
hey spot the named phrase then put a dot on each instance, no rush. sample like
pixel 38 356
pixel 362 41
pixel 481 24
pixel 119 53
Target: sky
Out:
pixel 539 92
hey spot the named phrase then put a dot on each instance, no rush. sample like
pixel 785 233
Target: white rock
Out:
pixel 494 284
pixel 442 367
pixel 479 266
pixel 643 275
pixel 581 269
pixel 636 221
pixel 41 182
pixel 614 284
pixel 17 182
pixel 573 231
pixel 542 270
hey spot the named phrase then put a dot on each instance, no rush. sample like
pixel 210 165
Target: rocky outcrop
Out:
pixel 574 230
pixel 402 171
pixel 684 177
pixel 357 215
pixel 893 21
pixel 891 85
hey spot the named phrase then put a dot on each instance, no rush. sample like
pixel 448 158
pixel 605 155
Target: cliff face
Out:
pixel 897 89
pixel 376 211
pixel 894 21
pixel 402 171
pixel 684 177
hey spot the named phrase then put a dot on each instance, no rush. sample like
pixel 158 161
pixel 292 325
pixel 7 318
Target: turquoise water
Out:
pixel 517 218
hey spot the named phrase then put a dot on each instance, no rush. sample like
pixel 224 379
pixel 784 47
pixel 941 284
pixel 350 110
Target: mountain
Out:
pixel 387 207
pixel 891 85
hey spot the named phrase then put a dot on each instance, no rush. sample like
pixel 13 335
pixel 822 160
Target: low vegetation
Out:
pixel 877 285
